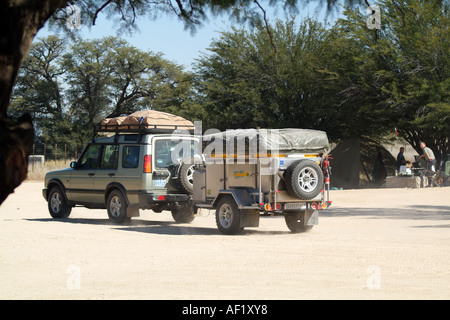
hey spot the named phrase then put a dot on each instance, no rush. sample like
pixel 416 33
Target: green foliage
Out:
pixel 68 91
pixel 348 80
pixel 246 83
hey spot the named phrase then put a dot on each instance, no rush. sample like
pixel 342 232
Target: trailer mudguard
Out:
pixel 241 196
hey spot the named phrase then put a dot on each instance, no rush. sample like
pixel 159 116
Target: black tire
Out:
pixel 57 204
pixel 228 216
pixel 183 214
pixel 295 222
pixel 186 176
pixel 117 207
pixel 304 179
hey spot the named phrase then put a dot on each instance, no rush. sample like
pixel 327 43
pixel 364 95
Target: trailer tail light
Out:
pixel 267 207
pixel 278 207
pixel 148 164
pixel 314 206
pixel 161 198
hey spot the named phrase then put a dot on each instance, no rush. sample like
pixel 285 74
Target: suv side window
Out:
pixel 130 157
pixel 110 157
pixel 89 160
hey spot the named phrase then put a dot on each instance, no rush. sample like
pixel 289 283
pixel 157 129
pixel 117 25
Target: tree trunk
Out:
pixel 19 22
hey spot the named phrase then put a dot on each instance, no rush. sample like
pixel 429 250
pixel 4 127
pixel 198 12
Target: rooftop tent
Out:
pixel 147 120
pixel 285 140
pixel 360 163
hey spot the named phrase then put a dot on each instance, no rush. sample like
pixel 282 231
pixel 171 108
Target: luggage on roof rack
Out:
pixel 145 121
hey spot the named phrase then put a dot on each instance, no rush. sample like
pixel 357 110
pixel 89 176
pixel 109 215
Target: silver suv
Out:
pixel 124 173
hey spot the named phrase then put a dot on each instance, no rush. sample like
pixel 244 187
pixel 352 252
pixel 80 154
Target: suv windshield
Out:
pixel 168 151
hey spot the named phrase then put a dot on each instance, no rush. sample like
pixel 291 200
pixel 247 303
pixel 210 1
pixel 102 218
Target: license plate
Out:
pixel 160 182
pixel 294 205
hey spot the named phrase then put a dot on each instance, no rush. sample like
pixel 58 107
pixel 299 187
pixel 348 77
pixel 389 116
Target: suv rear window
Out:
pixel 167 151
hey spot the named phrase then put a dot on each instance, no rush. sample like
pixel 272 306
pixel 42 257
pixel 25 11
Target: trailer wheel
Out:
pixel 228 216
pixel 295 221
pixel 304 179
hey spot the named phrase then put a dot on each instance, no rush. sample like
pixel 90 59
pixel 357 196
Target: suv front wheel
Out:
pixel 117 207
pixel 57 205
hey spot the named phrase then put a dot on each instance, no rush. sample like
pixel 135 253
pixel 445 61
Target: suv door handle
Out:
pixel 91 174
pixel 111 174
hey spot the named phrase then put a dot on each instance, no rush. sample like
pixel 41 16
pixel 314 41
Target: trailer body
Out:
pixel 259 175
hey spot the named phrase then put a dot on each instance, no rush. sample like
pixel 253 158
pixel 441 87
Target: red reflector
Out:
pixel 162 198
pixel 314 206
pixel 148 164
pixel 278 206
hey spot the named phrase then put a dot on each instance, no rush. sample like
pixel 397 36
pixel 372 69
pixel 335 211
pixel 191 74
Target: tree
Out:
pixel 88 80
pixel 38 87
pixel 244 83
pixel 347 80
pixel 68 89
pixel 403 77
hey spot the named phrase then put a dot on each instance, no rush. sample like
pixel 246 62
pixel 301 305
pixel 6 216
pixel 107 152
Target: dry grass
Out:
pixel 37 172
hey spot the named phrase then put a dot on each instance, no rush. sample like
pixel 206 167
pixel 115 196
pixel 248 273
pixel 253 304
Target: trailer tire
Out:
pixel 228 216
pixel 304 179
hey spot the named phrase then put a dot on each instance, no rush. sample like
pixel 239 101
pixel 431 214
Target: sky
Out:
pixel 167 35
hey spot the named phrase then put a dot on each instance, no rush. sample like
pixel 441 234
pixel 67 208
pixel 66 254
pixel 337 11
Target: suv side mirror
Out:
pixel 74 165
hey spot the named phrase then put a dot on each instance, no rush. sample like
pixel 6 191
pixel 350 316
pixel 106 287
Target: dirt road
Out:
pixel 371 244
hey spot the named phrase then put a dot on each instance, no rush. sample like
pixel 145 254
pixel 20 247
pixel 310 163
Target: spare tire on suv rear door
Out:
pixel 185 178
pixel 304 179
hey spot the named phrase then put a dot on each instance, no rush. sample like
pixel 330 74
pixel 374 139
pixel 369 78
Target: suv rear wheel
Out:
pixel 183 214
pixel 117 207
pixel 295 222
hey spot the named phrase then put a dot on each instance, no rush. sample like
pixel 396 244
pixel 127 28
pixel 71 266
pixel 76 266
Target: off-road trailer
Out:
pixel 277 172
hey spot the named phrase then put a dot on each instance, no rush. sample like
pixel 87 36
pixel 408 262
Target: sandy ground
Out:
pixel 371 244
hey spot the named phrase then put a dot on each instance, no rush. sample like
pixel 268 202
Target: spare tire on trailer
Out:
pixel 304 179
pixel 185 177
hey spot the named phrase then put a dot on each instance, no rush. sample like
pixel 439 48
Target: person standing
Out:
pixel 401 161
pixel 428 154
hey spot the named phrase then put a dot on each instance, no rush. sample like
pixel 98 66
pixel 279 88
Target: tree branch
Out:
pixel 100 9
pixel 267 24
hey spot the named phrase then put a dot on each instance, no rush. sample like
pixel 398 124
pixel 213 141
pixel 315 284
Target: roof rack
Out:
pixel 141 128
pixel 138 128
